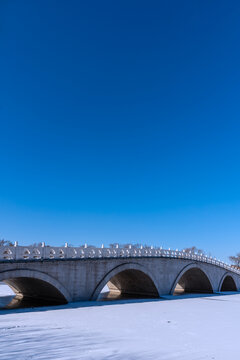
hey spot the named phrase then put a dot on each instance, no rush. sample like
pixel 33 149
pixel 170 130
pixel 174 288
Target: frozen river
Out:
pixel 174 328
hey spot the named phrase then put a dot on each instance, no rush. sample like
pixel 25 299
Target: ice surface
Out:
pixel 177 328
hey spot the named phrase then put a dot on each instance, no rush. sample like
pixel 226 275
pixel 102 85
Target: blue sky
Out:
pixel 119 122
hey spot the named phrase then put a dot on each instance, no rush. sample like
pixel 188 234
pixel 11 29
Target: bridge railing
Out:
pixel 16 252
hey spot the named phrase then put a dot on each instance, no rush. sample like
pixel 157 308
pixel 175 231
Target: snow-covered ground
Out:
pixel 178 328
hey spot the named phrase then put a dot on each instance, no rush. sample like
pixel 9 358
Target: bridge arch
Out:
pixel 129 279
pixel 192 279
pixel 35 286
pixel 227 283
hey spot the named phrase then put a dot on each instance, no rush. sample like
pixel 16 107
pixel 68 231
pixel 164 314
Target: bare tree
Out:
pixel 235 259
pixel 82 246
pixel 39 244
pixel 193 249
pixel 136 246
pixel 124 246
pixel 5 243
pixel 114 245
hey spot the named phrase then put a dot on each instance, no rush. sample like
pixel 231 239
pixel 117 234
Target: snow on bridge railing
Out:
pixel 43 252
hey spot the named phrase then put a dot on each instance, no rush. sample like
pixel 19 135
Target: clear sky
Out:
pixel 119 122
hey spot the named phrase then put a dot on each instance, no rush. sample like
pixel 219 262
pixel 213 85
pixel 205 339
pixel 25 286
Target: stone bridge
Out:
pixel 57 275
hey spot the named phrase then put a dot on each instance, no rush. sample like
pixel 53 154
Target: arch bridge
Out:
pixel 57 275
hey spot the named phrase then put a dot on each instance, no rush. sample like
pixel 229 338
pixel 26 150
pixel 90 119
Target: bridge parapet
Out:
pixel 24 253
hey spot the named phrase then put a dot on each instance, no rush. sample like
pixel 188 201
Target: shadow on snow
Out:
pixel 83 304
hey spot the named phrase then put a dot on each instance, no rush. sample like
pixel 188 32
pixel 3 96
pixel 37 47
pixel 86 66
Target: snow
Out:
pixel 185 328
pixel 5 290
pixel 6 295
